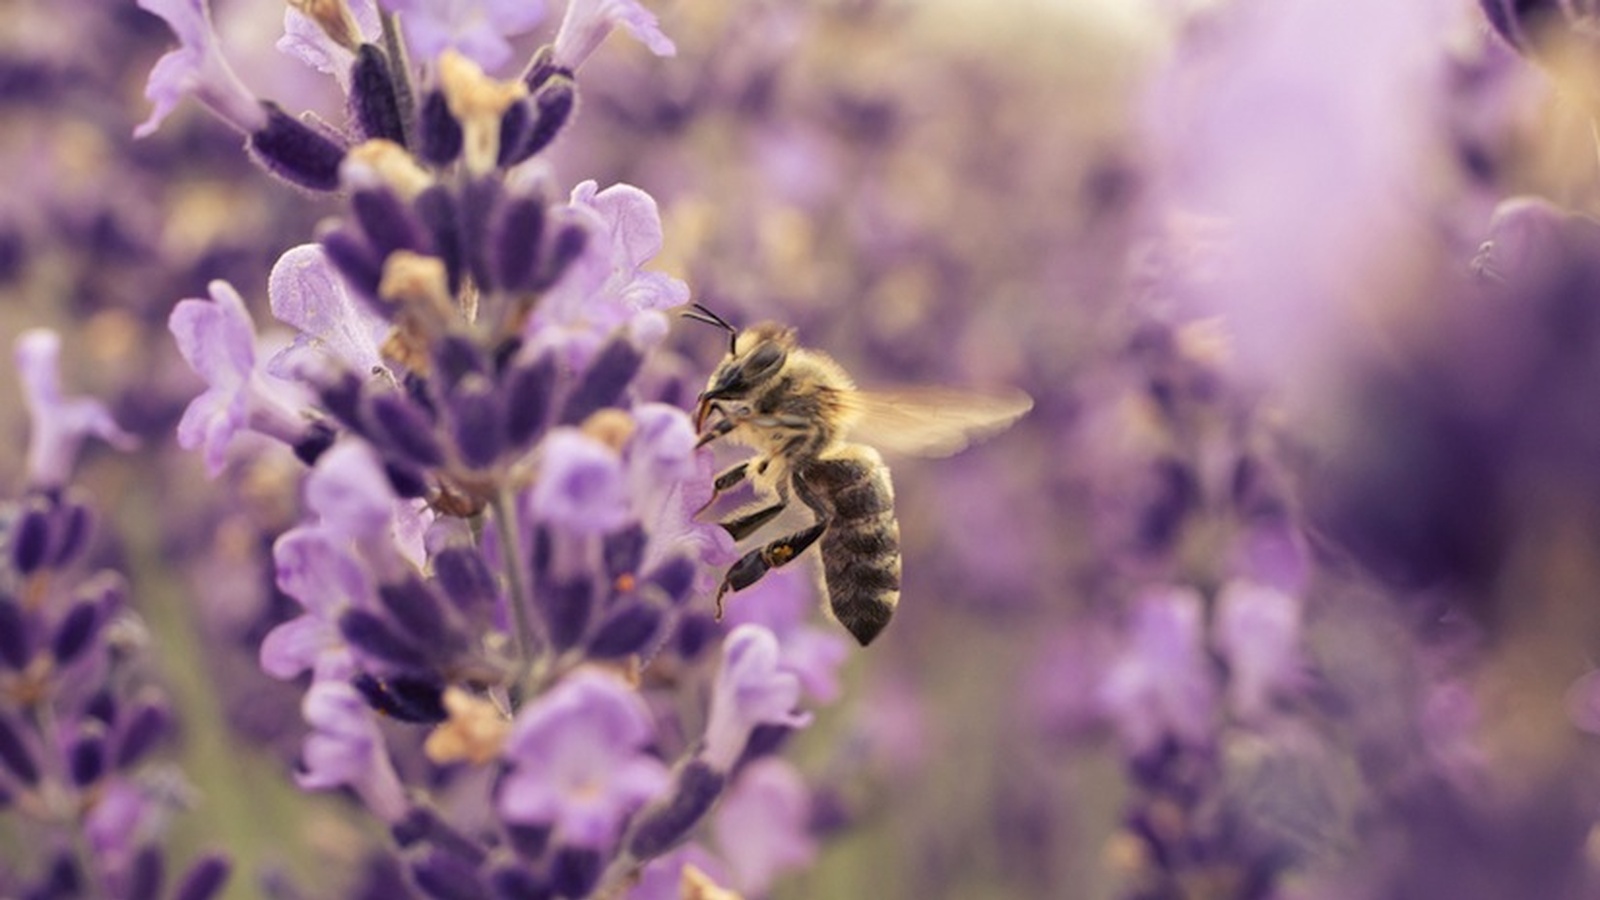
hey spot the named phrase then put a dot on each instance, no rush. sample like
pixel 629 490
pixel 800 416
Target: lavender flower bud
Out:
pixel 465 577
pixel 439 134
pixel 144 727
pixel 387 221
pixel 422 824
pixel 623 550
pixel 416 608
pixel 605 381
pixel 516 241
pixel 204 879
pixel 674 577
pixel 625 631
pixel 75 632
pixel 296 152
pixel 14 645
pixel 514 125
pixel 86 760
pixel 372 96
pixel 479 199
pixel 448 877
pixel 102 707
pixel 14 754
pixel 528 393
pixel 30 539
pixel 371 634
pixel 567 608
pixel 404 428
pixel 575 871
pixel 63 879
pixel 565 247
pixel 552 107
pixel 419 700
pixel 511 882
pixel 662 826
pixel 355 259
pixel 437 208
pixel 407 480
pixel 529 841
pixel 478 426
pixel 695 633
pixel 73 523
pixel 146 874
pixel 318 438
pixel 454 358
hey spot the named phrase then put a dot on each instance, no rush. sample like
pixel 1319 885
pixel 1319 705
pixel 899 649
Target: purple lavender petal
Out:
pixel 579 766
pixel 1257 629
pixel 307 293
pixel 581 487
pixel 477 29
pixel 750 690
pixel 587 23
pixel 347 749
pixel 1163 683
pixel 196 67
pixel 60 423
pixel 306 41
pixel 761 826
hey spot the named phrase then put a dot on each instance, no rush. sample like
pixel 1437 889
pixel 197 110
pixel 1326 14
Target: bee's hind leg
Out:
pixel 753 565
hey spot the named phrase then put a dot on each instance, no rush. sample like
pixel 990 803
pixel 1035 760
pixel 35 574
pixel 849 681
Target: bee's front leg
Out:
pixel 725 480
pixel 753 565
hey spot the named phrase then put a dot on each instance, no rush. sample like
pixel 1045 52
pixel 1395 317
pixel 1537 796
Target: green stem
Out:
pixel 528 635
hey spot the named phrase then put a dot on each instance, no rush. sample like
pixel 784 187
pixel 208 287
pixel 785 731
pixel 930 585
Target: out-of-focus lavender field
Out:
pixel 353 496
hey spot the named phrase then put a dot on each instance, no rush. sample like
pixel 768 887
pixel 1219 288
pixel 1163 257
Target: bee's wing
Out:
pixel 926 421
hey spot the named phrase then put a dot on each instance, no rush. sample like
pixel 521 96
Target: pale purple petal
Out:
pixel 196 67
pixel 477 29
pixel 350 492
pixel 306 293
pixel 58 423
pixel 587 23
pixel 662 878
pixel 1162 684
pixel 1257 629
pixel 761 826
pixel 305 40
pixel 750 690
pixel 297 645
pixel 780 603
pixel 346 748
pixel 313 569
pixel 581 484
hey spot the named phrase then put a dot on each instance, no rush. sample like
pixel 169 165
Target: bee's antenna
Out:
pixel 701 314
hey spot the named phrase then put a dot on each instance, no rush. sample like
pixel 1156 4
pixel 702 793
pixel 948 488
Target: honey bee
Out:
pixel 815 436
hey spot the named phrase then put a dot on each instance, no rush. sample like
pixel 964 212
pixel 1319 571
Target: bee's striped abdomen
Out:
pixel 861 546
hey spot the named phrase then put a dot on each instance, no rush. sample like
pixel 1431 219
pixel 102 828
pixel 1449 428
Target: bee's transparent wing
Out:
pixel 927 421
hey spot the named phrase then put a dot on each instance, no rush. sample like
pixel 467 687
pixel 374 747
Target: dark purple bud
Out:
pixel 541 67
pixel 663 825
pixel 76 630
pixel 565 248
pixel 575 871
pixel 505 352
pixel 464 577
pixel 15 649
pixel 296 152
pixel 62 880
pixel 145 726
pixel 445 876
pixel 765 740
pixel 627 630
pixel 404 698
pixel 400 425
pixel 674 577
pixel 73 523
pixel 528 393
pixel 513 882
pixel 830 814
pixel 455 356
pixel 553 105
pixel 204 879
pixel 422 824
pixel 355 259
pixel 516 241
pixel 318 438
pixel 567 606
pixel 479 199
pixel 30 539
pixel 373 101
pixel 623 550
pixel 514 126
pixel 439 134
pixel 529 841
pixel 382 879
pixel 477 423
pixel 387 222
pixel 102 707
pixel 417 610
pixel 146 874
pixel 695 633
pixel 407 480
pixel 341 396
pixel 14 753
pixel 372 634
pixel 87 758
pixel 542 550
pixel 605 381
pixel 437 207
pixel 1502 16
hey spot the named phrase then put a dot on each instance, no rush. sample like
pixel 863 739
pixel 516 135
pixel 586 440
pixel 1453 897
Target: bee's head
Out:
pixel 755 355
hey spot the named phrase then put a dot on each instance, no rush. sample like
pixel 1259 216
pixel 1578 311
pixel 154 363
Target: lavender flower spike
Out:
pixel 750 690
pixel 580 768
pixel 588 22
pixel 59 423
pixel 218 341
pixel 196 67
pixel 477 29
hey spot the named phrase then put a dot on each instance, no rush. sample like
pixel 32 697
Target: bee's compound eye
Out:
pixel 763 360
